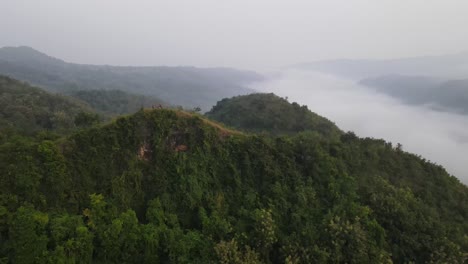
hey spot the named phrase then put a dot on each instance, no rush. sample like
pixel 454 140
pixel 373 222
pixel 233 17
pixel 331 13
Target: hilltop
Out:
pixel 271 114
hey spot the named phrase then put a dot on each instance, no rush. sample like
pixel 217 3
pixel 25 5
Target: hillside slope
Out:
pixel 169 186
pixel 28 109
pixel 186 86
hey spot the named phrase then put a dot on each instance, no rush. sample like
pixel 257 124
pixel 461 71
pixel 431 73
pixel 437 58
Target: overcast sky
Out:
pixel 239 33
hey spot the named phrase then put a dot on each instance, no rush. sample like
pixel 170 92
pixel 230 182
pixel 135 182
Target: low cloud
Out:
pixel 440 137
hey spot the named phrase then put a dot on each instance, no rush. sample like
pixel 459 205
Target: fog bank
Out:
pixel 440 137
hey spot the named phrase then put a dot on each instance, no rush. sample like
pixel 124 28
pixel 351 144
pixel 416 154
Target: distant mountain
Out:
pixel 186 86
pixel 24 54
pixel 446 66
pixel 26 109
pixel 270 113
pixel 446 95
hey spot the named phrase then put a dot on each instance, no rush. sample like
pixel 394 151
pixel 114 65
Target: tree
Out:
pixel 28 238
pixel 84 119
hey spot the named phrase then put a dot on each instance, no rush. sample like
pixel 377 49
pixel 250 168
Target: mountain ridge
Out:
pixel 186 86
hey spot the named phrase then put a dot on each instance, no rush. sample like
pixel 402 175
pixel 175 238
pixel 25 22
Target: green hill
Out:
pixel 164 186
pixel 270 113
pixel 28 109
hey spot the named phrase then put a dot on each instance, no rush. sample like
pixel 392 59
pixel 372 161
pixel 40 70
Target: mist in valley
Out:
pixel 438 136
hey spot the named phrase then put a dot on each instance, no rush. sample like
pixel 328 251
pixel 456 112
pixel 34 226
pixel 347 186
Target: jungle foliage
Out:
pixel 167 186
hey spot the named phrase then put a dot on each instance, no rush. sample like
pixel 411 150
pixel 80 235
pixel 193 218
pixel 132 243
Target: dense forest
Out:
pixel 187 86
pixel 169 186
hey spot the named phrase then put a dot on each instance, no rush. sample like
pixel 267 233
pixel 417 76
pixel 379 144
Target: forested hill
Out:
pixel 165 186
pixel 186 86
pixel 271 114
pixel 26 109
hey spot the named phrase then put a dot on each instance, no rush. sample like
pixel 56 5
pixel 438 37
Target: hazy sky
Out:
pixel 240 33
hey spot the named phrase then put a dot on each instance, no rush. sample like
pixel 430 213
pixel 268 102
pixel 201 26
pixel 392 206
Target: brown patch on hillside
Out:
pixel 144 151
pixel 181 148
pixel 177 141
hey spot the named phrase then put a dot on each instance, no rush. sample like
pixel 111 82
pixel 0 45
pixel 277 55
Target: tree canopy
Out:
pixel 169 186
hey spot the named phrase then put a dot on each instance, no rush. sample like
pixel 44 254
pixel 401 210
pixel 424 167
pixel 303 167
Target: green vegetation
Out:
pixel 116 102
pixel 270 113
pixel 165 186
pixel 28 110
